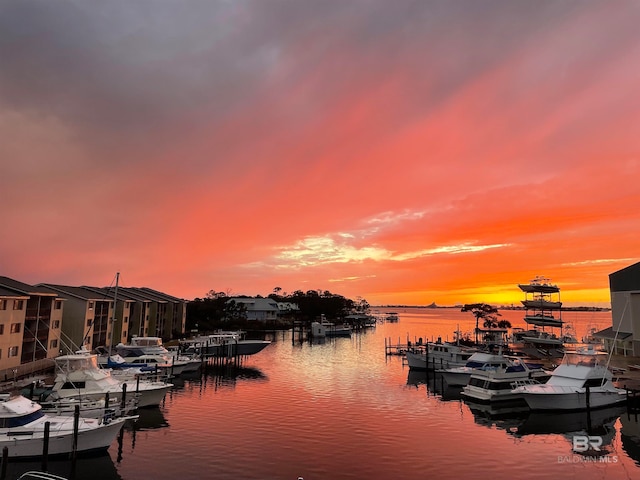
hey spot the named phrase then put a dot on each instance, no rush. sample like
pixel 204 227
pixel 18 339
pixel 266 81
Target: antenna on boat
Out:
pixel 615 338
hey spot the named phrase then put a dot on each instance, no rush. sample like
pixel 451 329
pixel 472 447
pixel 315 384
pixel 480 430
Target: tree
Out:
pixel 483 311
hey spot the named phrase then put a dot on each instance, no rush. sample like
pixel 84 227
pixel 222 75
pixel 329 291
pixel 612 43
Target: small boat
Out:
pixel 224 344
pixel 391 317
pixel 23 425
pixel 634 367
pixel 543 320
pixel 482 362
pixel 496 386
pixel 37 475
pixel 580 382
pixel 79 377
pixel 438 355
pixel 539 284
pixel 148 352
pixel 539 337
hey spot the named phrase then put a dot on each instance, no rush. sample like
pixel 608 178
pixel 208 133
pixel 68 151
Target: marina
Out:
pixel 287 411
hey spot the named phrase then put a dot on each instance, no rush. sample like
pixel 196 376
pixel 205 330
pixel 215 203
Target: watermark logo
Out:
pixel 584 443
pixel 589 449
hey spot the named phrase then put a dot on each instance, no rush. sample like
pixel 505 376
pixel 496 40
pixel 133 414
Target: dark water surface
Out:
pixel 344 410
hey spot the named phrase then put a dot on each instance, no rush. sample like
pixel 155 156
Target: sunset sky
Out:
pixel 406 152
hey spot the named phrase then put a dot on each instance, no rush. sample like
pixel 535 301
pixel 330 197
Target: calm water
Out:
pixel 342 410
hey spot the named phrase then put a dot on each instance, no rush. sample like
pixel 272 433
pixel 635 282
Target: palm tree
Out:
pixel 485 311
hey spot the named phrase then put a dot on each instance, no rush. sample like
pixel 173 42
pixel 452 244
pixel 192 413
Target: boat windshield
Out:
pixel 77 363
pixel 581 359
pixel 12 422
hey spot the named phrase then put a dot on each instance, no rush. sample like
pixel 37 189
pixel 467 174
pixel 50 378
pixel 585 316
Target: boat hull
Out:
pixel 549 398
pixel 21 444
pixel 231 349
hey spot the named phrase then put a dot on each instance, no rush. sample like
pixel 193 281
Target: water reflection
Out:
pixel 505 417
pixel 630 435
pixel 149 419
pixel 95 467
pixel 229 375
pixel 435 385
pixel 519 421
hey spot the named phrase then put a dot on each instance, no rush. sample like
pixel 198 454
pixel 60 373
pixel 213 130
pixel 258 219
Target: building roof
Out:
pixel 610 333
pixel 169 298
pixel 5 292
pixel 24 288
pixel 78 292
pixel 626 279
pixel 261 304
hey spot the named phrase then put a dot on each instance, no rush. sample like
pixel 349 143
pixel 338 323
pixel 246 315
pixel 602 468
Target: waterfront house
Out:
pixel 258 309
pixel 30 326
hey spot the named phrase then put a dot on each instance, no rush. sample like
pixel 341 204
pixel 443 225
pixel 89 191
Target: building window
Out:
pixel 124 334
pixel 56 324
pixel 126 319
pixel 54 343
pixel 15 328
pixel 1 329
pixel 58 305
pixel 3 304
pixel 89 320
pixel 90 305
pixel 18 304
pixel 13 351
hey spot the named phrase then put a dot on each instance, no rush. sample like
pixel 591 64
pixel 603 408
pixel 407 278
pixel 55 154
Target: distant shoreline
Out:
pixel 502 307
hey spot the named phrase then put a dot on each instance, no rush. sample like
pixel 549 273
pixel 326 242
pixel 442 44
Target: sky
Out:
pixel 403 152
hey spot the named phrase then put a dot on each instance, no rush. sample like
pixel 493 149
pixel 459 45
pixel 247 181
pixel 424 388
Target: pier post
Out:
pixel 76 426
pixel 588 393
pixel 45 445
pixel 124 395
pixel 5 459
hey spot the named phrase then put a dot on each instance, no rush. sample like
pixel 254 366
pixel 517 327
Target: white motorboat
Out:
pixel 580 382
pixel 497 386
pixel 480 362
pixel 22 430
pixel 224 344
pixel 91 408
pixel 78 376
pixel 540 337
pixel 148 352
pixel 438 355
pixel 325 328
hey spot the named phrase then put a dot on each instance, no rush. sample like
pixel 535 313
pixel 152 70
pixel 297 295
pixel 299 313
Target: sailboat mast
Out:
pixel 115 306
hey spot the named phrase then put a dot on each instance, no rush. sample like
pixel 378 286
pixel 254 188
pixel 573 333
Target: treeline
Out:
pixel 218 310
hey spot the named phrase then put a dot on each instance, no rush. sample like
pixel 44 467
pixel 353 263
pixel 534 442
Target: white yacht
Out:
pixel 22 430
pixel 325 328
pixel 438 355
pixel 78 376
pixel 480 362
pixel 148 352
pixel 224 344
pixel 580 382
pixel 496 386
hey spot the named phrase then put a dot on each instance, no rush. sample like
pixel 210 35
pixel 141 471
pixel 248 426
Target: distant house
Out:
pixel 623 337
pixel 260 309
